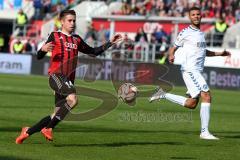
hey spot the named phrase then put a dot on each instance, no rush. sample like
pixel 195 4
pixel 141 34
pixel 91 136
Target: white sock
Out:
pixel 176 98
pixel 205 116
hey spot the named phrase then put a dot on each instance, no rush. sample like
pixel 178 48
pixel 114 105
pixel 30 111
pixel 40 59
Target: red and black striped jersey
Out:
pixel 64 56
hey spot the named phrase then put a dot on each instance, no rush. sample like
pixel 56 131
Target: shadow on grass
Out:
pixel 102 130
pixel 70 129
pixel 233 136
pixel 119 144
pixel 182 158
pixel 25 93
pixel 99 130
pixel 122 130
pixel 12 158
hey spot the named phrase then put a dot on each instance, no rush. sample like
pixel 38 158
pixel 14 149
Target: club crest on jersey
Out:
pixel 70 45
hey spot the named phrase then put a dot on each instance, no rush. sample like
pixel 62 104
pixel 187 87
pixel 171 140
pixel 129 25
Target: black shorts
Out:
pixel 62 87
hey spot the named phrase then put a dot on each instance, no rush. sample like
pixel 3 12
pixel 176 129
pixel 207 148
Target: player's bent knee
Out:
pixel 72 100
pixel 206 97
pixel 74 103
pixel 192 103
pixel 193 106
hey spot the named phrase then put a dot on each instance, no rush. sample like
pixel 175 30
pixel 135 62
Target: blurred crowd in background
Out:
pixel 46 9
pixel 179 8
pixel 227 13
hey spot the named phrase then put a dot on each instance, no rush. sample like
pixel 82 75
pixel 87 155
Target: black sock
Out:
pixel 40 125
pixel 60 115
pixel 53 122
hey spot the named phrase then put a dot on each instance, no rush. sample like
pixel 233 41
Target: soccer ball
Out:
pixel 127 92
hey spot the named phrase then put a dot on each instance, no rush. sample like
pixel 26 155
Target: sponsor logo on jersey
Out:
pixel 70 45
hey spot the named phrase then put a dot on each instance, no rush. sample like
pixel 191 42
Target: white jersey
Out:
pixel 192 46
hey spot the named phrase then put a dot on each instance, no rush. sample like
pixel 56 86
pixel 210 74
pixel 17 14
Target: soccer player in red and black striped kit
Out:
pixel 64 46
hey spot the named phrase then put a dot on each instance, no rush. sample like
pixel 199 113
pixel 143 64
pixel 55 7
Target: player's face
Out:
pixel 195 17
pixel 68 23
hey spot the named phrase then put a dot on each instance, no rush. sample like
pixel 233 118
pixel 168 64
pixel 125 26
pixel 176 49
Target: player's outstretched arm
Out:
pixel 116 38
pixel 223 53
pixel 171 56
pixel 85 48
pixel 48 47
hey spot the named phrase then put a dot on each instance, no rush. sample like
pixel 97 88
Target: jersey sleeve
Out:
pixel 40 53
pixel 180 39
pixel 86 49
pixel 50 38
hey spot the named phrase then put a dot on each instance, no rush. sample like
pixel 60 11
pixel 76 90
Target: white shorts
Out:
pixel 195 83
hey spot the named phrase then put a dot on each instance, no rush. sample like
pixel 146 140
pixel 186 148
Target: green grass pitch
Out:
pixel 118 135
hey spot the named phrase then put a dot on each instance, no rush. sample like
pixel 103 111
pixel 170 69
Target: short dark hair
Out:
pixel 194 8
pixel 66 12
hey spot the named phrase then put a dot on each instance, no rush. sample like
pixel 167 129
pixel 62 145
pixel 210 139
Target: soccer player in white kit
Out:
pixel 192 46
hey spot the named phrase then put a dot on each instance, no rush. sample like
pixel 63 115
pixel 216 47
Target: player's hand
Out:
pixel 117 38
pixel 225 53
pixel 171 58
pixel 48 47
